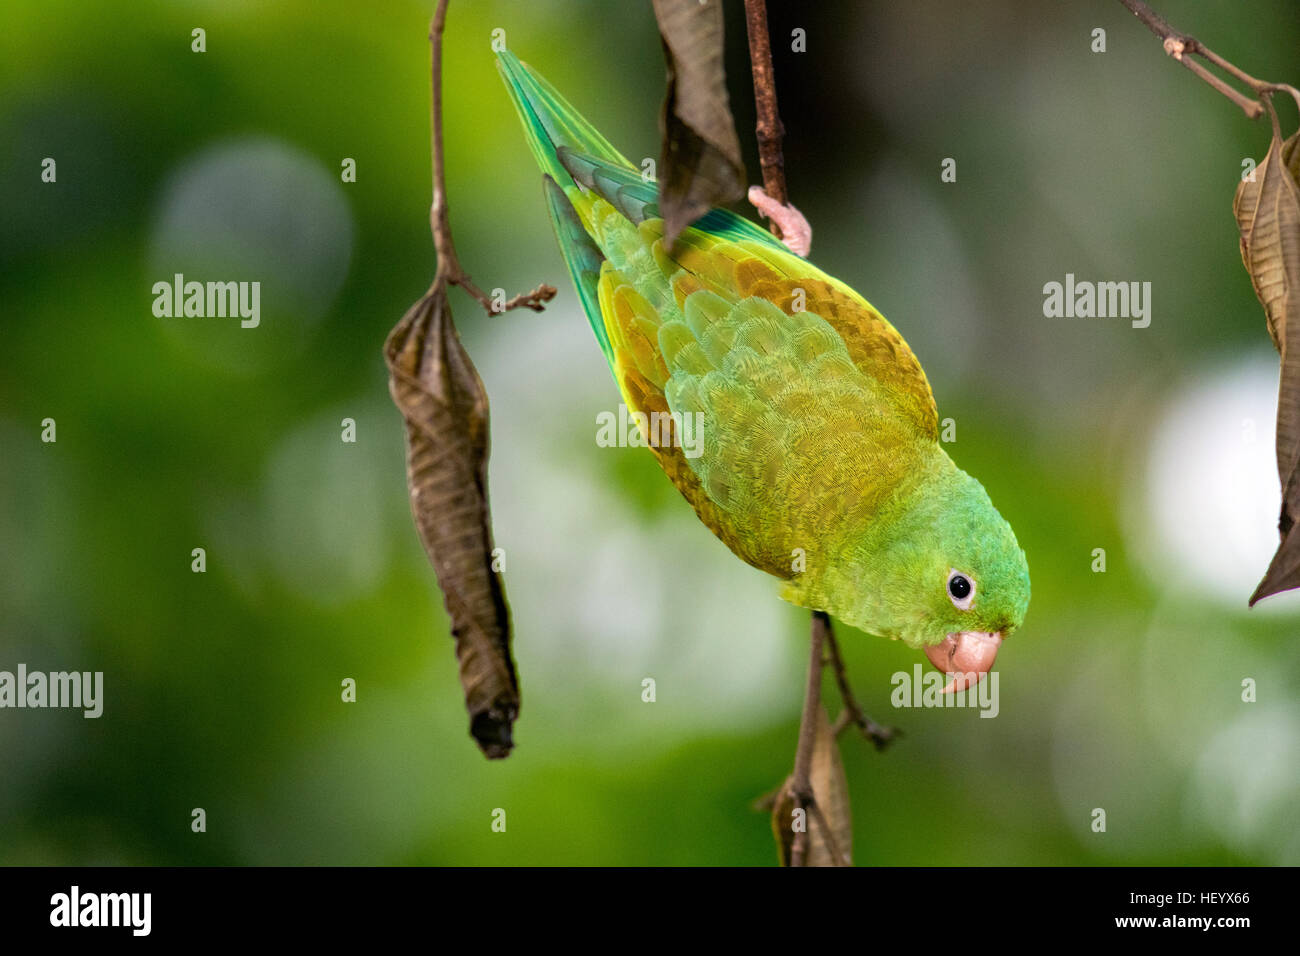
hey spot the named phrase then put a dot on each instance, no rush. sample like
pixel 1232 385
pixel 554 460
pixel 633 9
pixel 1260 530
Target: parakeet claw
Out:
pixel 968 656
pixel 795 231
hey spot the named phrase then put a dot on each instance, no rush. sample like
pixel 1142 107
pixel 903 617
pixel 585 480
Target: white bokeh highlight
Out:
pixel 1203 519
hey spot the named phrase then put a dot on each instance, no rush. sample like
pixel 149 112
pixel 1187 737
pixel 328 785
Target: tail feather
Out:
pixel 552 126
pixel 550 122
pixel 579 165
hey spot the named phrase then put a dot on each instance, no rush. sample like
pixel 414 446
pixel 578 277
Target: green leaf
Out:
pixel 436 387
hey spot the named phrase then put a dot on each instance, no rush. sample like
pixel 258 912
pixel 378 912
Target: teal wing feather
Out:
pixel 582 257
pixel 637 198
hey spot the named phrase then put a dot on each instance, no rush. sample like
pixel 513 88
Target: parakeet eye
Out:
pixel 961 590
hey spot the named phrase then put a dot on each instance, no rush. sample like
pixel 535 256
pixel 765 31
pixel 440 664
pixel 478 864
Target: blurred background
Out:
pixel 222 690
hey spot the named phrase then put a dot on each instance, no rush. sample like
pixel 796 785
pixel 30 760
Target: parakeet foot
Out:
pixel 796 233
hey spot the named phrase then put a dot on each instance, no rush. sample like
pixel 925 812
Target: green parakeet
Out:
pixel 820 461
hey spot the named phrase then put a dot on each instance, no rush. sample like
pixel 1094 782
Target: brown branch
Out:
pixel 450 271
pixel 1183 47
pixel 799 783
pixel 801 779
pixel 770 130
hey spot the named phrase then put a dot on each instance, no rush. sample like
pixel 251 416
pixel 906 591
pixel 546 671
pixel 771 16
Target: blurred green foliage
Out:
pixel 223 689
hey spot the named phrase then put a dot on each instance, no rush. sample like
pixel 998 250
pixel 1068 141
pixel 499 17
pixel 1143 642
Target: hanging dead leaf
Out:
pixel 1268 217
pixel 833 814
pixel 701 165
pixel 434 384
pixel 784 822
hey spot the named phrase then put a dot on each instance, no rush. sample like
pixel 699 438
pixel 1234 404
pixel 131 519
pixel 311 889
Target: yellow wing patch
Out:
pixel 738 270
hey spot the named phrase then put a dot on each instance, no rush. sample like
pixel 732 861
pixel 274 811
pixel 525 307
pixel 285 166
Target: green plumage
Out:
pixel 820 460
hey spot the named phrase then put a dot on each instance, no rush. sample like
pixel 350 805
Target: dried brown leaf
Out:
pixel 832 812
pixel 831 791
pixel 783 822
pixel 701 165
pixel 1268 217
pixel 434 384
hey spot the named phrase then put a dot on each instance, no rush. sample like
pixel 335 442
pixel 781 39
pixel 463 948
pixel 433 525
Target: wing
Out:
pixel 803 393
pixel 734 258
pixel 795 286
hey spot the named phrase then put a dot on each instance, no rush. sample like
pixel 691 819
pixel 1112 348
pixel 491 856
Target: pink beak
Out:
pixel 968 655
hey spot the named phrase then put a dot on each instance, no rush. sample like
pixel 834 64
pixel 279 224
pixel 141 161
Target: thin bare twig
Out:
pixel 450 270
pixel 801 779
pixel 1183 47
pixel 853 714
pixel 770 130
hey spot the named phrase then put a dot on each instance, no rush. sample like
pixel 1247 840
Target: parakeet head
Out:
pixel 948 575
